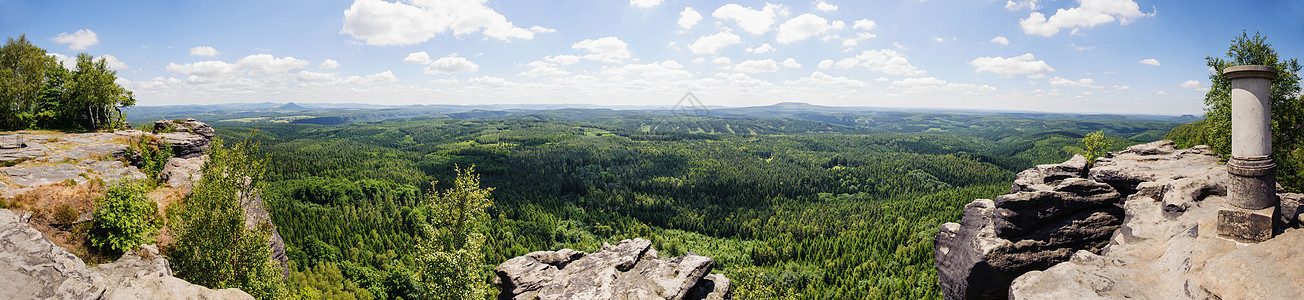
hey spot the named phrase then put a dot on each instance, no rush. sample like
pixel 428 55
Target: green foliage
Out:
pixel 149 153
pixel 65 214
pixel 125 218
pixel 1287 107
pixel 38 92
pixel 1095 144
pixel 213 247
pixel 449 261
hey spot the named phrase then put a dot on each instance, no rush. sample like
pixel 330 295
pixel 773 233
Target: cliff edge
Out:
pixel 631 269
pixel 1139 224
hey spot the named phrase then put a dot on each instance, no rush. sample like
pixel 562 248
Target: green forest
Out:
pixel 791 213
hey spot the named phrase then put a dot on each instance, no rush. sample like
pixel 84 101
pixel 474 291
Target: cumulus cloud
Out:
pixel 864 24
pixel 113 62
pixel 644 3
pixel 825 6
pixel 757 66
pixel 78 40
pixel 451 64
pixel 751 20
pixel 882 60
pixel 665 70
pixel 1001 40
pixel 608 49
pixel 721 60
pixel 1018 65
pixel 268 64
pixel 329 64
pixel 764 48
pixel 564 60
pixel 1089 14
pixel 211 68
pixel 919 81
pixel 1084 82
pixel 820 79
pixel 826 64
pixel 790 63
pixel 204 51
pixel 381 23
pixel 417 58
pixel 1149 61
pixel 689 17
pixel 802 27
pixel 1190 84
pixel 68 62
pixel 1021 4
pixel 712 43
pixel 542 69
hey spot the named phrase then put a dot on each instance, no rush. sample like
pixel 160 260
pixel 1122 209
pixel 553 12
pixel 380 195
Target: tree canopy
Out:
pixel 36 91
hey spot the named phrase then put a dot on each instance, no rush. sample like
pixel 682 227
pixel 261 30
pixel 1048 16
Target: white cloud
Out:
pixel 689 17
pixel 445 81
pixel 78 40
pixel 1149 61
pixel 210 68
pixel 751 20
pixel 113 62
pixel 790 63
pixel 1089 14
pixel 864 24
pixel 68 62
pixel 488 81
pixel 721 60
pixel 204 51
pixel 764 48
pixel 699 60
pixel 1190 84
pixel 1161 93
pixel 645 3
pixel 1084 82
pixel 1121 87
pixel 802 27
pixel 608 49
pixel 821 79
pixel 268 64
pixel 712 43
pixel 328 64
pixel 1018 65
pixel 665 70
pixel 757 66
pixel 541 69
pixel 417 58
pixel 315 76
pixel 919 81
pixel 381 23
pixel 938 39
pixel 1013 5
pixel 1001 40
pixel 825 6
pixel 882 60
pixel 826 64
pixel 564 60
pixel 451 64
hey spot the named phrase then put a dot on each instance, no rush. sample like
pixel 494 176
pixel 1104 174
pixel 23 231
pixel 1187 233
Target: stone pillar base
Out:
pixel 1246 225
pixel 1253 182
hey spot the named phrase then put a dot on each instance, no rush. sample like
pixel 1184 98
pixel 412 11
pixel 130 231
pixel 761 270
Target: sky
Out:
pixel 1084 56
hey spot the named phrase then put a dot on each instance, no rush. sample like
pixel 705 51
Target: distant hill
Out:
pixel 291 106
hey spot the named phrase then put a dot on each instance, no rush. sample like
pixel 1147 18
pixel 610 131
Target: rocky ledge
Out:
pixel 630 269
pixel 1139 224
pixel 35 268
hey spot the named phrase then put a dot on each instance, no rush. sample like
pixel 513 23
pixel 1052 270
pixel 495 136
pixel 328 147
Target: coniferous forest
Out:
pixel 788 208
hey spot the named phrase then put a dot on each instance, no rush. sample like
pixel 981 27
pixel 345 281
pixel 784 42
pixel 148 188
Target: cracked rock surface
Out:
pixel 630 269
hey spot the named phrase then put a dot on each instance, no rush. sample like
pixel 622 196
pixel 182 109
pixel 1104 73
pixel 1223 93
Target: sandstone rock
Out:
pixel 187 126
pixel 186 145
pixel 255 216
pixel 1152 148
pixel 43 175
pixel 35 268
pixel 183 172
pixel 1258 271
pixel 628 270
pixel 1045 177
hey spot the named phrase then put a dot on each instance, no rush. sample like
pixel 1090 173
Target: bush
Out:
pixel 149 153
pixel 125 218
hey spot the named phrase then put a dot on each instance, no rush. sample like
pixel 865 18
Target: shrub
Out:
pixel 149 153
pixel 65 214
pixel 125 218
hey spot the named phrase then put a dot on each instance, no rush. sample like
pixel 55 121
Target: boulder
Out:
pixel 183 172
pixel 1045 177
pixel 188 126
pixel 33 267
pixel 186 145
pixel 631 269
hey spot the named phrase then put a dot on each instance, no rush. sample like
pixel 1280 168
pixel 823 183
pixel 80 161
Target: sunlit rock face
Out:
pixel 1158 242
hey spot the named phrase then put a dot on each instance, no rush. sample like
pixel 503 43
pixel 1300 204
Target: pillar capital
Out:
pixel 1250 71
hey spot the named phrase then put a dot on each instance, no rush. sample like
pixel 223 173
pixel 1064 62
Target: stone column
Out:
pixel 1251 213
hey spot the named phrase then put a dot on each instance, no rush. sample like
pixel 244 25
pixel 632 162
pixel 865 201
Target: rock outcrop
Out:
pixel 1155 240
pixel 35 268
pixel 630 269
pixel 189 138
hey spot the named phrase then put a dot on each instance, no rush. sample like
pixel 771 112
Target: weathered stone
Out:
pixel 1045 177
pixel 43 175
pixel 186 145
pixel 187 126
pixel 183 172
pixel 1153 148
pixel 1246 225
pixel 1261 271
pixel 255 216
pixel 1291 205
pixel 628 270
pixel 1181 194
pixel 35 268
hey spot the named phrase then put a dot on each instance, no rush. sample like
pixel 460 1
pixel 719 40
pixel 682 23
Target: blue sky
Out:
pixel 1114 56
